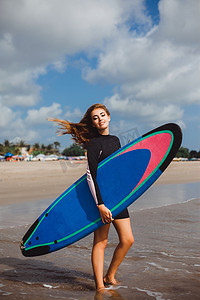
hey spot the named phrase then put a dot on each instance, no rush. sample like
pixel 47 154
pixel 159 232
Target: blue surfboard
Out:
pixel 122 178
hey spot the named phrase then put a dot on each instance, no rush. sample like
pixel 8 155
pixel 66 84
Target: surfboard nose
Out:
pixel 41 250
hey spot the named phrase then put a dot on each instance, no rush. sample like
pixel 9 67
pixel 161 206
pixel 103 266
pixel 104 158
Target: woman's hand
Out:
pixel 106 215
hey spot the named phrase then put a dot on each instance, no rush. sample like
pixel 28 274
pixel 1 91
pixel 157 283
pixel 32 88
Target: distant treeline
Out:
pixel 72 150
pixel 75 150
pixel 16 149
pixel 186 153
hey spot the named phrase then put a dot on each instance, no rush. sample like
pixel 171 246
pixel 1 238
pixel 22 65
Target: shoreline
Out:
pixel 31 181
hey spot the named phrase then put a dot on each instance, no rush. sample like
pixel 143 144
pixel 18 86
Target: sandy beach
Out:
pixel 164 262
pixel 28 181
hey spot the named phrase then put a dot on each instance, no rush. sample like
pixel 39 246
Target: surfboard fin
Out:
pixel 21 245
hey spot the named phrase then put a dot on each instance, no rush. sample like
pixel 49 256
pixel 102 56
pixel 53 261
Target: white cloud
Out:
pixel 6 116
pixel 17 88
pixel 154 74
pixel 36 34
pixel 13 125
pixel 75 114
pixel 40 116
pixel 158 72
pixel 155 113
pixel 149 70
pixel 180 22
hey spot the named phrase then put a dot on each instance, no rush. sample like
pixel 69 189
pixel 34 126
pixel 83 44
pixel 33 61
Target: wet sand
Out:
pixel 164 262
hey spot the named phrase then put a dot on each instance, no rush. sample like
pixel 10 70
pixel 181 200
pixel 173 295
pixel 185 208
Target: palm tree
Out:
pixel 36 146
pixel 50 147
pixel 43 148
pixel 7 143
pixel 22 144
pixel 56 145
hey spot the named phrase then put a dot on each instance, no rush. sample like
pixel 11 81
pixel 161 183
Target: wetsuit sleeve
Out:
pixel 93 153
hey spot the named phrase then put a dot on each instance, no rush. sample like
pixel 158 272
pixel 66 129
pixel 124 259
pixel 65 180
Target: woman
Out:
pixel 92 132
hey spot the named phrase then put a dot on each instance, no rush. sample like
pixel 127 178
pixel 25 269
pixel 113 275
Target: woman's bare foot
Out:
pixel 110 281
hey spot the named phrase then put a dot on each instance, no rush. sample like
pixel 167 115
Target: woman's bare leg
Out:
pixel 99 245
pixel 123 228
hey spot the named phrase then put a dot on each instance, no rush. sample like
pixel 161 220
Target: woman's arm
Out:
pixel 93 154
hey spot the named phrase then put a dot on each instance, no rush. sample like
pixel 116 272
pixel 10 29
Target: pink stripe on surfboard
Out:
pixel 158 144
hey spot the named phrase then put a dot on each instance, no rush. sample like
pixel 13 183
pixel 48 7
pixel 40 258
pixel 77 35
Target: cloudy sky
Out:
pixel 58 57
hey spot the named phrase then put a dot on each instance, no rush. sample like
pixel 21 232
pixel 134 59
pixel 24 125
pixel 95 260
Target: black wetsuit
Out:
pixel 98 149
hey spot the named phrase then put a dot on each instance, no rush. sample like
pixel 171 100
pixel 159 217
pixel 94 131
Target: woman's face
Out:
pixel 100 120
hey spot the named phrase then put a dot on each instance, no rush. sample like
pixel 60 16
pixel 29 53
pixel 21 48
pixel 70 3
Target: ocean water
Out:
pixel 156 196
pixel 167 194
pixel 162 264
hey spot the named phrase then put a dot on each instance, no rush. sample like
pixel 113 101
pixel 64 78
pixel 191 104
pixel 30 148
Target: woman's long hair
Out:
pixel 83 131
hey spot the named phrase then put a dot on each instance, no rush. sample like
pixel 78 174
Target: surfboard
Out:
pixel 122 178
